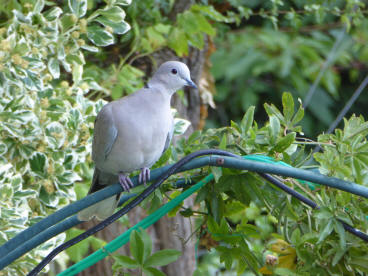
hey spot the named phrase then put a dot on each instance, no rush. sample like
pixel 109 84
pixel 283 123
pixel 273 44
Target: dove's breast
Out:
pixel 142 132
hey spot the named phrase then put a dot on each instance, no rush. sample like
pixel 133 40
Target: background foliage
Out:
pixel 59 60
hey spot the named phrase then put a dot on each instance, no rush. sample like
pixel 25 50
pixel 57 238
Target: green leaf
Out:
pixel 78 7
pixel 247 121
pixel 163 257
pixel 298 116
pixel 223 142
pixel 123 2
pixel 90 48
pixel 67 21
pixel 77 72
pixel 115 14
pixel 272 110
pixel 209 11
pixel 212 225
pixel 54 67
pixel 124 261
pixel 38 7
pixel 76 254
pixel 137 247
pixel 275 127
pixel 285 142
pixel 99 36
pixel 151 271
pixel 119 28
pixel 180 126
pixel 326 231
pixel 217 173
pixel 342 234
pixel 288 106
pixel 147 243
pixel 53 13
pixel 178 42
pixel 204 25
pixel 340 252
pixel 38 162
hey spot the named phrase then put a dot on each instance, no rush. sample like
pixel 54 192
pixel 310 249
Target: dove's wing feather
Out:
pixel 105 134
pixel 169 136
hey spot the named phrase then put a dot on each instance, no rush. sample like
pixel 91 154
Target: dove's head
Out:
pixel 173 75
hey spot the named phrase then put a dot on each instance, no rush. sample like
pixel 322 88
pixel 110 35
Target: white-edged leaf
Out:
pixel 180 126
pixel 90 48
pixel 37 162
pixel 118 27
pixel 53 13
pixel 38 7
pixel 77 72
pixel 78 7
pixel 99 36
pixel 54 67
pixel 123 2
pixel 115 14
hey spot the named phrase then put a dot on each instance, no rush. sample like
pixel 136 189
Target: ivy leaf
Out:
pixel 178 42
pixel 204 25
pixel 163 257
pixel 99 36
pixel 78 7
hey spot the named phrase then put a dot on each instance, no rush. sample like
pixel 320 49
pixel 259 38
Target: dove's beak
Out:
pixel 190 83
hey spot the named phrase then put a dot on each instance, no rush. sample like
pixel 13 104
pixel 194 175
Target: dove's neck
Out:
pixel 161 88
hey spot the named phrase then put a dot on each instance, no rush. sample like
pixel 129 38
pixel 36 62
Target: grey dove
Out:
pixel 132 133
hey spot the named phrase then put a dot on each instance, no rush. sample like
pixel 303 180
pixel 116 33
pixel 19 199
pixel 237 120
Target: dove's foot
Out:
pixel 144 175
pixel 125 182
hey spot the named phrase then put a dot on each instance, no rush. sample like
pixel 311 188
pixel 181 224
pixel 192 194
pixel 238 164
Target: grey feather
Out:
pixel 106 207
pixel 169 137
pixel 107 134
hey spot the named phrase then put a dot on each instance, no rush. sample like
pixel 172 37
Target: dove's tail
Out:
pixel 104 208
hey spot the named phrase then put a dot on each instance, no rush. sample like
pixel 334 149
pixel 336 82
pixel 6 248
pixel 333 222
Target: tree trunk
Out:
pixel 167 233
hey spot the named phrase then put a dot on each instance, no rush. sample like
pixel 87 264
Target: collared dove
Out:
pixel 132 133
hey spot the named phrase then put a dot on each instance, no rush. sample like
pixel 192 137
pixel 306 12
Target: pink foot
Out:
pixel 144 175
pixel 125 182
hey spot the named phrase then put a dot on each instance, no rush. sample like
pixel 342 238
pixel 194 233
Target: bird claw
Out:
pixel 144 175
pixel 125 182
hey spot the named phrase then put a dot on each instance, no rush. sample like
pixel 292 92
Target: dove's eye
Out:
pixel 174 71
